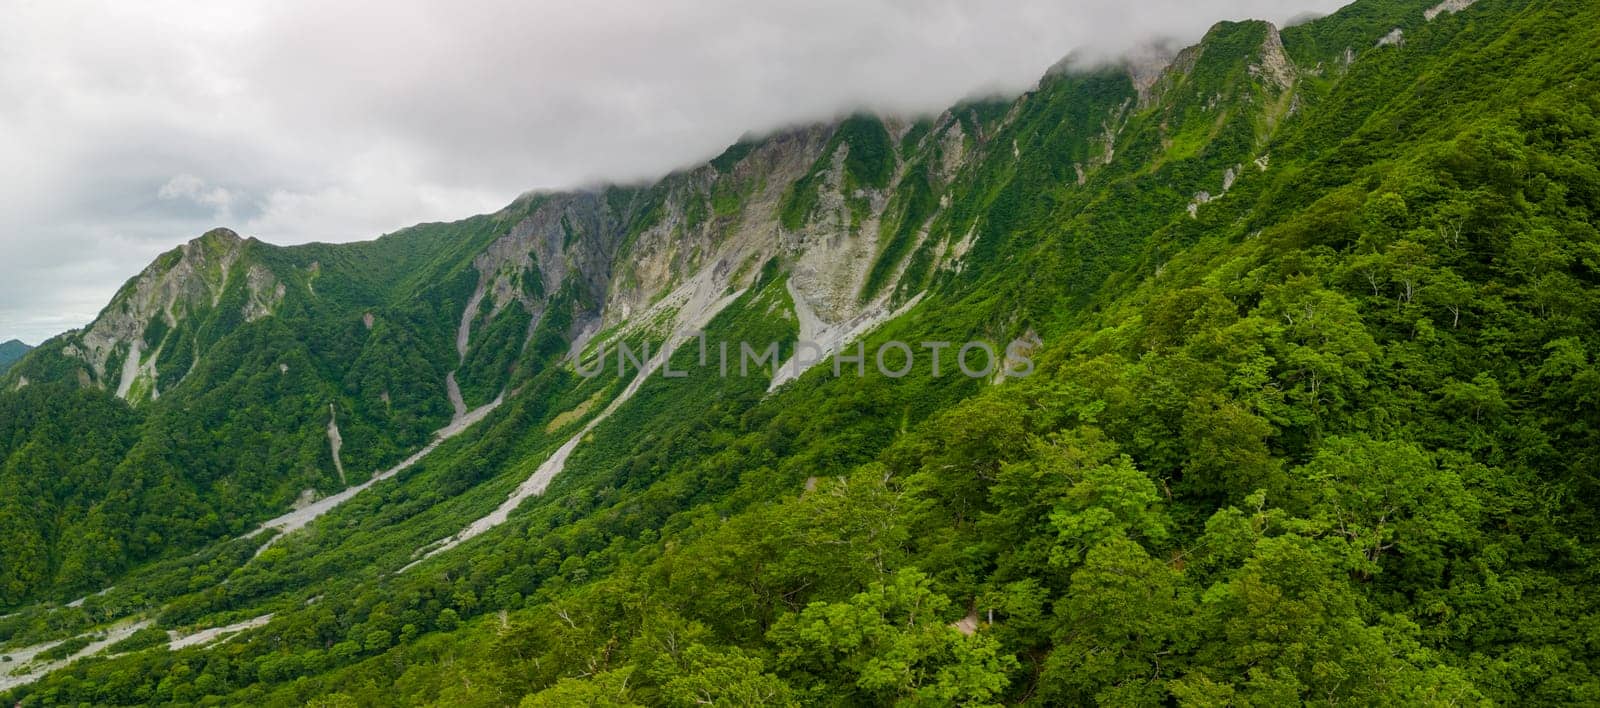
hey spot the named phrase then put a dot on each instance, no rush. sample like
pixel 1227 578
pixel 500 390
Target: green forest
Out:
pixel 1328 435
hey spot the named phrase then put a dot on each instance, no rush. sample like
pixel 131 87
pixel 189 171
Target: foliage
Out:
pixel 1329 439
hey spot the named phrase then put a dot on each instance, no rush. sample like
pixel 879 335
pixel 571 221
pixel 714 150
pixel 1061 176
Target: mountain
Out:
pixel 1292 399
pixel 10 352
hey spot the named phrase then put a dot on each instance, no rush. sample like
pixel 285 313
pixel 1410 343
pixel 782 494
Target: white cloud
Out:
pixel 129 128
pixel 196 190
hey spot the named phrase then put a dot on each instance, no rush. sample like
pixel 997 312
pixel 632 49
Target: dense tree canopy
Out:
pixel 1330 437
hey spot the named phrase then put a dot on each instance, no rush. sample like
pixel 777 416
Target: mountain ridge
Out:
pixel 10 352
pixel 1314 389
pixel 858 212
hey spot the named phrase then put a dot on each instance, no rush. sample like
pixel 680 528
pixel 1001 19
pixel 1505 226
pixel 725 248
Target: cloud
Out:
pixel 129 128
pixel 196 190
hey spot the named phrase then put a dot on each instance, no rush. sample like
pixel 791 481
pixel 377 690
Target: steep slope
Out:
pixel 1312 420
pixel 227 339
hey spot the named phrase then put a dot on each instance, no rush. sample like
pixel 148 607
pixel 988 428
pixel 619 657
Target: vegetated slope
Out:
pixel 1313 418
pixel 10 352
pixel 238 356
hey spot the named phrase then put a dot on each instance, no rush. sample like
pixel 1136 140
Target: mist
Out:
pixel 130 128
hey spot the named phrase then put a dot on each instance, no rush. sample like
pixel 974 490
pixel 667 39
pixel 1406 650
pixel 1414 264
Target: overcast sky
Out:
pixel 128 128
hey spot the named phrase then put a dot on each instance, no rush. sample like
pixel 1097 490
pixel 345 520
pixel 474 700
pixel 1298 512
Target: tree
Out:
pixel 1026 494
pixel 890 642
pixel 1121 628
pixel 1112 500
pixel 448 620
pixel 725 678
pixel 1388 497
pixel 608 689
pixel 1288 627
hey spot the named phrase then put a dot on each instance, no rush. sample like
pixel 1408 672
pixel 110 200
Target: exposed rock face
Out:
pixel 182 283
pixel 265 293
pixel 1153 85
pixel 667 254
pixel 569 233
pixel 952 147
pixel 1146 64
pixel 1229 177
pixel 196 274
pixel 1272 65
pixel 121 348
pixel 664 259
pixel 624 269
pixel 618 261
pixel 832 259
pixel 1395 38
pixel 1448 6
pixel 335 442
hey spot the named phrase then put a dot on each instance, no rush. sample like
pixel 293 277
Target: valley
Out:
pixel 1310 316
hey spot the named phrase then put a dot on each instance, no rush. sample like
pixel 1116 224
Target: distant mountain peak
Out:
pixel 121 347
pixel 11 351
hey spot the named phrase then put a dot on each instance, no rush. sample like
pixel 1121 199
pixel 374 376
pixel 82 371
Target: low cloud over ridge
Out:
pixel 132 128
